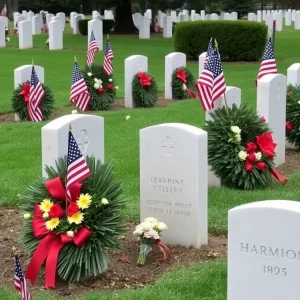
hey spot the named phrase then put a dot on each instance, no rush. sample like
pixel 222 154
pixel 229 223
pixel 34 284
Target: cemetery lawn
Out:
pixel 20 149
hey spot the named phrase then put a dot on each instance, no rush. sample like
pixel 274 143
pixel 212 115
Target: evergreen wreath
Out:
pixel 101 87
pixel 241 149
pixel 144 90
pixel 183 84
pixel 20 99
pixel 293 115
pixel 85 230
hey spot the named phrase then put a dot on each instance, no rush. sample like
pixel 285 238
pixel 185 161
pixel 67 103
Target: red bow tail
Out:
pixel 278 176
pixel 165 249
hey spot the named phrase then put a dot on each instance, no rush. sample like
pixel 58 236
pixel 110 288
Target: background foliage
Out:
pixel 238 41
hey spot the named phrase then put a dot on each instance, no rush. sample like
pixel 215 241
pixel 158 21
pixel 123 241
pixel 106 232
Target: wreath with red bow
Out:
pixel 293 115
pixel 71 239
pixel 183 84
pixel 102 87
pixel 241 150
pixel 20 102
pixel 144 90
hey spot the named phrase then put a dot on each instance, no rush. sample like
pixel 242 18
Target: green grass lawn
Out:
pixel 20 149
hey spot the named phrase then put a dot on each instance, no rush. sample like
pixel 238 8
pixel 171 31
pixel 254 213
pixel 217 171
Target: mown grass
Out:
pixel 20 149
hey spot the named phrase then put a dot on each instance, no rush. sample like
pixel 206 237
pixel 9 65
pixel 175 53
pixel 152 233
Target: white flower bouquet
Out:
pixel 149 234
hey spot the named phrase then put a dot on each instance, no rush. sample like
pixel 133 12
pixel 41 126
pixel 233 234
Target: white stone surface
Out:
pixel 259 16
pixel 55 36
pixel 30 15
pixel 36 26
pixel 133 65
pixel 297 20
pixel 75 24
pixel 271 103
pixel 144 28
pixel 269 22
pixel 4 20
pixel 172 61
pixel 293 74
pixel 233 96
pixel 88 131
pixel 168 27
pixel 288 18
pixel 202 57
pixel 2 35
pixel 173 181
pixel 97 27
pixel 234 16
pixel 48 18
pixel 25 35
pixel 279 21
pixel 227 17
pixel 263 251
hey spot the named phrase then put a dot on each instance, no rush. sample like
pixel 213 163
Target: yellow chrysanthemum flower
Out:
pixel 84 201
pixel 46 205
pixel 52 224
pixel 76 218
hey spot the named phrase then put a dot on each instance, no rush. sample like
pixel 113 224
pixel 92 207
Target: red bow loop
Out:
pixel 145 80
pixel 181 74
pixel 25 92
pixel 57 191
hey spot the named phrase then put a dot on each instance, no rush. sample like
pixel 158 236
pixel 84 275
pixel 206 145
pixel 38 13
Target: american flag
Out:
pixel 209 52
pixel 20 281
pixel 36 96
pixel 80 95
pixel 93 48
pixel 4 11
pixel 211 83
pixel 78 169
pixel 268 64
pixel 108 57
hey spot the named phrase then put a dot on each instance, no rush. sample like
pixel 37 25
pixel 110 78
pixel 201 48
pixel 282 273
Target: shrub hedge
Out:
pixel 237 40
pixel 107 26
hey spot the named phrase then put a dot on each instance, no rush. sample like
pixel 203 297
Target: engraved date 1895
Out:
pixel 275 271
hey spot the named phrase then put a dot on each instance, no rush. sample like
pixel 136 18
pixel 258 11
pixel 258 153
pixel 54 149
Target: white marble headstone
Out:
pixel 173 181
pixel 97 27
pixel 88 131
pixel 293 74
pixel 76 19
pixel 264 251
pixel 172 61
pixel 168 27
pixel 144 28
pixel 2 35
pixel 36 26
pixel 271 104
pixel 55 36
pixel 133 65
pixel 25 35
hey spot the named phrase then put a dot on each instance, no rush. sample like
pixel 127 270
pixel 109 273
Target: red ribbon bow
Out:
pixel 181 74
pixel 145 80
pixel 48 249
pixel 165 249
pixel 25 91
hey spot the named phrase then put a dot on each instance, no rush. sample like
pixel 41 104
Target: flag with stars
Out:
pixel 211 84
pixel 92 49
pixel 108 57
pixel 77 168
pixel 209 52
pixel 20 281
pixel 36 96
pixel 80 95
pixel 268 64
